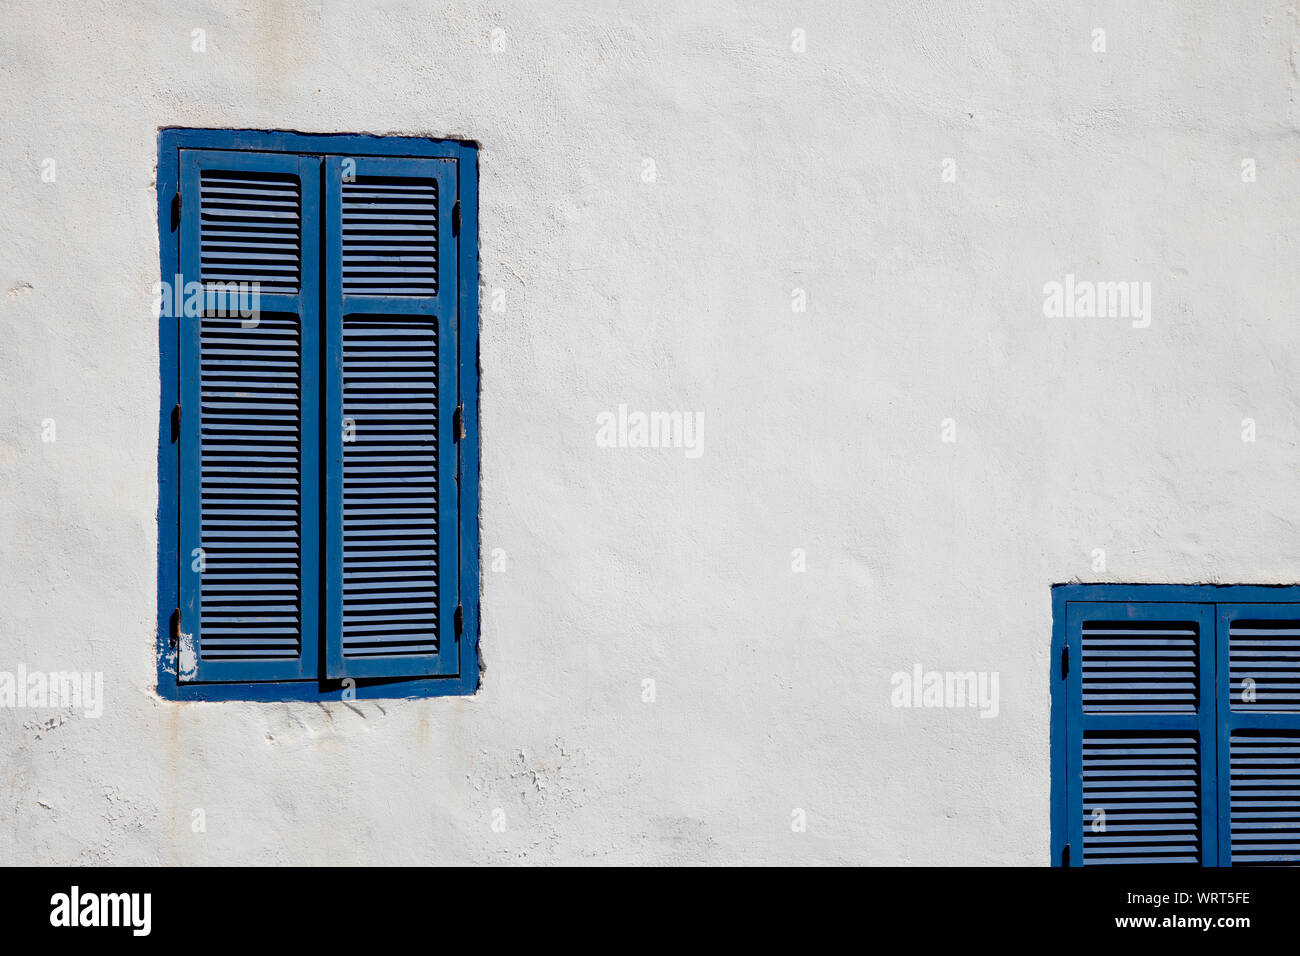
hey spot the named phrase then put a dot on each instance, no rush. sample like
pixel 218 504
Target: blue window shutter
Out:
pixel 391 295
pixel 248 448
pixel 1259 745
pixel 1141 741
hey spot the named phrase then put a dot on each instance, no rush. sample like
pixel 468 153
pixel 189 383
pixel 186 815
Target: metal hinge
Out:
pixel 176 627
pixel 176 210
pixel 1065 661
pixel 460 620
pixel 455 218
pixel 1065 855
pixel 458 423
pixel 176 422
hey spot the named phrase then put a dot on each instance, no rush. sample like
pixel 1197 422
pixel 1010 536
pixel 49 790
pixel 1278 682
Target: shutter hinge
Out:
pixel 176 627
pixel 455 218
pixel 458 423
pixel 176 210
pixel 460 620
pixel 1065 855
pixel 1065 662
pixel 176 422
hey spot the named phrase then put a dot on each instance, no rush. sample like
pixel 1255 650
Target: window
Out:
pixel 1176 725
pixel 318 455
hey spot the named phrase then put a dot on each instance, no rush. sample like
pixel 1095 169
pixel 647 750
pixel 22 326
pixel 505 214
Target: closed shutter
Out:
pixel 391 388
pixel 1140 733
pixel 248 459
pixel 1259 708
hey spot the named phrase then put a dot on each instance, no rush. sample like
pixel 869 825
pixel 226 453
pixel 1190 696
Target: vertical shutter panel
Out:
pixel 249 403
pixel 1259 713
pixel 391 301
pixel 1140 734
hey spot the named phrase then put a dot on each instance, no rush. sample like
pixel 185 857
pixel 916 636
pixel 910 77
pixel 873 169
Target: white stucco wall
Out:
pixel 775 170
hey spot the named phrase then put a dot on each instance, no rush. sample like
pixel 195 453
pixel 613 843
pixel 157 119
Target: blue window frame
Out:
pixel 1175 732
pixel 318 435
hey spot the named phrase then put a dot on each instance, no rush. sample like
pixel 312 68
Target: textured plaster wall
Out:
pixel 774 170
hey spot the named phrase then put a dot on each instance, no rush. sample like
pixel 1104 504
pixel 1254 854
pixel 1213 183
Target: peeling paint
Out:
pixel 188 660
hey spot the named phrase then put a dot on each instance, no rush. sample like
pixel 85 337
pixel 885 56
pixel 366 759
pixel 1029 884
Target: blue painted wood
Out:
pixel 461 668
pixel 213 656
pixel 1134 751
pixel 323 691
pixel 341 144
pixel 468 447
pixel 1058 677
pixel 1202 593
pixel 168 179
pixel 401 631
pixel 1243 721
pixel 1267 741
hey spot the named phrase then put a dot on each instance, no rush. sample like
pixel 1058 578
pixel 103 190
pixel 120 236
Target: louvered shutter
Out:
pixel 1140 734
pixel 248 452
pixel 1259 716
pixel 391 390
